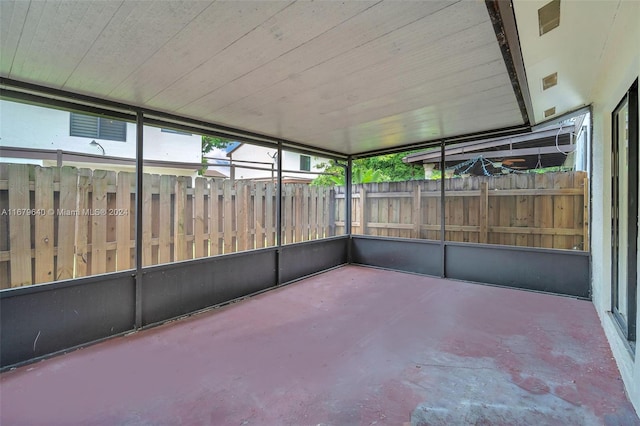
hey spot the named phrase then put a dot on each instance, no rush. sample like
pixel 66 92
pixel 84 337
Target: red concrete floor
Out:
pixel 353 346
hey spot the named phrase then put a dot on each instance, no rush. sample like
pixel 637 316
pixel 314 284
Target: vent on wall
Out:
pixel 549 112
pixel 549 16
pixel 550 81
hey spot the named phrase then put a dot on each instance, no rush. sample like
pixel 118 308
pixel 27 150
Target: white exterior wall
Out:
pixel 290 161
pixel 620 67
pixel 28 126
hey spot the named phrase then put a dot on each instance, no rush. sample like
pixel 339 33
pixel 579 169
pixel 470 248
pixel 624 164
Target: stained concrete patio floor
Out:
pixel 352 346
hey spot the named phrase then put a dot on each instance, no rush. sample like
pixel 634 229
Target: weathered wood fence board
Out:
pixel 44 229
pixel 82 222
pixel 62 223
pixel 533 210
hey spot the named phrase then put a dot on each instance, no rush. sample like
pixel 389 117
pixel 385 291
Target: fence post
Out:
pixel 416 219
pixel 484 214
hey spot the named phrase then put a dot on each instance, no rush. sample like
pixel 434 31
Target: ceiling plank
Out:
pixel 212 31
pixel 368 28
pixel 12 20
pixel 291 27
pixel 132 35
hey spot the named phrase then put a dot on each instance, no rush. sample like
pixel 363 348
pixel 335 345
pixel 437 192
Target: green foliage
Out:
pixel 391 167
pixel 336 176
pixel 383 168
pixel 209 143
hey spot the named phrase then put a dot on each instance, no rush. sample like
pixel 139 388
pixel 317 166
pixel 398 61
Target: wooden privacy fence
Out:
pixel 547 210
pixel 61 223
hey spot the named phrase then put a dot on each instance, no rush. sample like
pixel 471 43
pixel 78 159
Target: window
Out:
pixel 305 163
pixel 624 212
pixel 88 126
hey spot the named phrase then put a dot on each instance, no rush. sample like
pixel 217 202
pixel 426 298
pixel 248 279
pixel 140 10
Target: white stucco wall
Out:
pixel 290 161
pixel 620 67
pixel 28 126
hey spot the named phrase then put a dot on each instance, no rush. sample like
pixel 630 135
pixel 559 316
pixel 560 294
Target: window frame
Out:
pixel 628 325
pixel 305 163
pixel 100 124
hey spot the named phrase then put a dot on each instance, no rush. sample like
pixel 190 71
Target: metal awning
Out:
pixel 534 150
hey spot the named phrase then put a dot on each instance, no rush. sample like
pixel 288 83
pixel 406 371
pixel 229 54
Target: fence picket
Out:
pixel 270 213
pixel 287 215
pixel 215 213
pixel 66 223
pixel 99 222
pixel 199 242
pixel 258 210
pixel 313 212
pixel 83 224
pixel 585 212
pixel 298 220
pixel 180 219
pixel 562 210
pixel 164 214
pixel 189 218
pixel 228 203
pixel 19 225
pixel 242 214
pixel 44 243
pixel 123 221
pixel 483 212
pixel 111 219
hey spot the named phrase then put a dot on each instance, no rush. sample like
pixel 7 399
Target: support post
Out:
pixel 348 177
pixel 279 213
pixel 443 272
pixel 139 218
pixel 363 210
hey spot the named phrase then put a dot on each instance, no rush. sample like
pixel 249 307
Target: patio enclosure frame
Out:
pixel 42 320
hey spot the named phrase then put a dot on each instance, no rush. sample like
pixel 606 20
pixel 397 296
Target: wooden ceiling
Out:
pixel 350 77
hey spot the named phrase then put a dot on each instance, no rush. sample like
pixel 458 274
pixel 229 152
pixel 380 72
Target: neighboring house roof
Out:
pixel 215 174
pixel 545 148
pixel 232 147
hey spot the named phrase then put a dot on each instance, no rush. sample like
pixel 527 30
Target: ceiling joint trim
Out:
pixel 504 25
